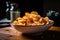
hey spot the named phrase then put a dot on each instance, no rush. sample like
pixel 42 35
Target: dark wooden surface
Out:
pixel 8 33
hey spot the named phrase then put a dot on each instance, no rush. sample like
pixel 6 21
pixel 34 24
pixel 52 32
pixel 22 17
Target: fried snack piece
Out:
pixel 19 18
pixel 27 14
pixel 15 22
pixel 34 12
pixel 47 20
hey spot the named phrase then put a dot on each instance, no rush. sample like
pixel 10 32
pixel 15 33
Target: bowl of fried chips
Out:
pixel 31 23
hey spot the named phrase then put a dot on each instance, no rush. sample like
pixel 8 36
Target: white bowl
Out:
pixel 32 29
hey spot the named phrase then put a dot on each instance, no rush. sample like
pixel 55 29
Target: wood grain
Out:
pixel 8 33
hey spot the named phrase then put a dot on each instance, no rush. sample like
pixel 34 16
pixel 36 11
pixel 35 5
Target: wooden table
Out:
pixel 8 33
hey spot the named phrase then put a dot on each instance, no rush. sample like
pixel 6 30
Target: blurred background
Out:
pixel 49 8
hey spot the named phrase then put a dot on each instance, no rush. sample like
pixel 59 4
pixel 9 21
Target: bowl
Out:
pixel 32 29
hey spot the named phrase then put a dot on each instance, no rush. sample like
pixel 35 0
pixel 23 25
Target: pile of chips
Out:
pixel 31 19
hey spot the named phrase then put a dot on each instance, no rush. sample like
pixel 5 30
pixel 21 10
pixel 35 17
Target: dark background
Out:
pixel 29 5
pixel 55 6
pixel 52 4
pixel 41 6
pixel 24 5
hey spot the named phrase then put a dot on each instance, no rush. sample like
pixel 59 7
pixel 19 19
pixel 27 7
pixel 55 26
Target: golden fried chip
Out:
pixel 46 18
pixel 15 22
pixel 27 14
pixel 34 12
pixel 19 18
